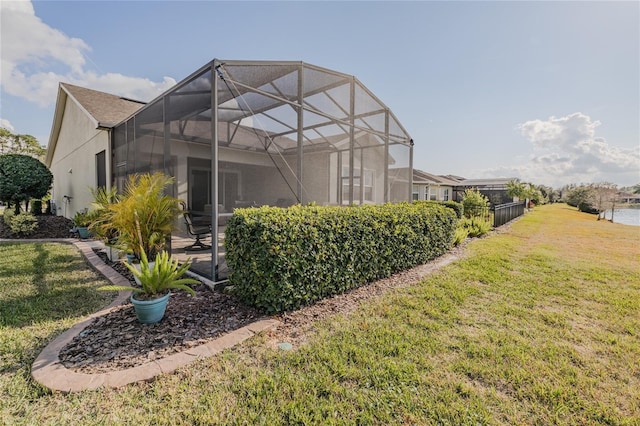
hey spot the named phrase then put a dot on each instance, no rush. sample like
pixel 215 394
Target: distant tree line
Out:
pixel 11 143
pixel 595 198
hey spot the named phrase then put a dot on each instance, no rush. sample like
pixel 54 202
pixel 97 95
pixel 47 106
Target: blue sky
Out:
pixel 545 91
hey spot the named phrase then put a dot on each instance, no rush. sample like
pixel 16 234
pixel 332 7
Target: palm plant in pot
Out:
pixel 156 280
pixel 82 220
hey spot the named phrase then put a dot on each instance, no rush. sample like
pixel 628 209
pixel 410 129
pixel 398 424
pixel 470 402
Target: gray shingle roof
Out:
pixel 107 109
pixel 420 176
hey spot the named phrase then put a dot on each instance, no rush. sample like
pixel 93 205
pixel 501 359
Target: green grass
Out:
pixel 538 325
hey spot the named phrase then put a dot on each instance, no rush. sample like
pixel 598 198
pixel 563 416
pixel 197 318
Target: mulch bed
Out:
pixel 48 227
pixel 117 340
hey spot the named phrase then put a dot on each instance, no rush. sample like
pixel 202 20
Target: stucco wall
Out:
pixel 74 161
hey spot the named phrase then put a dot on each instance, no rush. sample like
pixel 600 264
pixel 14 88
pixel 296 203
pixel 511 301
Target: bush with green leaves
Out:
pixel 454 205
pixel 7 215
pixel 475 204
pixel 23 224
pixel 22 178
pixel 282 259
pixel 475 226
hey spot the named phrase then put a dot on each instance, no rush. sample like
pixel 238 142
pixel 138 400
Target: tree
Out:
pixel 548 193
pixel 20 144
pixel 605 197
pixel 515 188
pixel 582 197
pixel 21 178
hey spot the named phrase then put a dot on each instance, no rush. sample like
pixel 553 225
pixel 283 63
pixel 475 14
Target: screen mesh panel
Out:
pixel 287 133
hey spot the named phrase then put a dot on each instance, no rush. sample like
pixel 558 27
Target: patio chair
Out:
pixel 198 231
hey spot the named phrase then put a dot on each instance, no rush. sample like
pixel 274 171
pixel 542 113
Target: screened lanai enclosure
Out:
pixel 242 133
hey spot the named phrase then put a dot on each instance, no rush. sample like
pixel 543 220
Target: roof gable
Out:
pixel 106 109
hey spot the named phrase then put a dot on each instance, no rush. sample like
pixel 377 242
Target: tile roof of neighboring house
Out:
pixel 420 176
pixel 486 182
pixel 107 109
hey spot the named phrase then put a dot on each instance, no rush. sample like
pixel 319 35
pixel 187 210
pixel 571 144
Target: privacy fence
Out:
pixel 504 213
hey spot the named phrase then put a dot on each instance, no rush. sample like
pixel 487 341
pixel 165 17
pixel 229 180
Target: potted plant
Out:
pixel 130 256
pixel 150 300
pixel 82 220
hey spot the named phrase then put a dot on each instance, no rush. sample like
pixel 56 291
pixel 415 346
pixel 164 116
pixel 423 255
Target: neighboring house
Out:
pixel 494 189
pixel 79 150
pixel 427 186
pixel 432 187
pixel 237 134
pixel 628 197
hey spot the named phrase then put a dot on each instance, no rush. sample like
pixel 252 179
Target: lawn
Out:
pixel 536 325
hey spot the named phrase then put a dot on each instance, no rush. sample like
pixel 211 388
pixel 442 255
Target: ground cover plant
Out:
pixel 535 325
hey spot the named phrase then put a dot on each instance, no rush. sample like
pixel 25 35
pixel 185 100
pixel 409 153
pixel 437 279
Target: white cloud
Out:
pixel 566 150
pixel 36 57
pixel 4 123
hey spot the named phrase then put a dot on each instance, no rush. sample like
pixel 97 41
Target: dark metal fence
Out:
pixel 504 213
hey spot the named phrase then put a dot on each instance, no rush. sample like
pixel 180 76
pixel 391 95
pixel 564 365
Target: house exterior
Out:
pixel 427 186
pixel 237 134
pixel 79 149
pixel 628 198
pixel 432 187
pixel 494 189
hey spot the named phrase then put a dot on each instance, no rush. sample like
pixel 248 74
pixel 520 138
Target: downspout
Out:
pixel 410 169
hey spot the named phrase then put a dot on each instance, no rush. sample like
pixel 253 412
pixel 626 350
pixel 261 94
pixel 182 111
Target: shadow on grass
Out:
pixel 47 296
pixel 39 262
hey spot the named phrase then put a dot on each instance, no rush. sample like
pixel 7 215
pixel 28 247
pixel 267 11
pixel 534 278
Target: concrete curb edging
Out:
pixel 49 371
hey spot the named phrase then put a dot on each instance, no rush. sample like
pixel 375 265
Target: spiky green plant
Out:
pixel 156 211
pixel 100 214
pixel 156 279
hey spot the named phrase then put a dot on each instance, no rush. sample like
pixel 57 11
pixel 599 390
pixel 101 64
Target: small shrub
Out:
pixel 475 204
pixel 475 226
pixel 8 214
pixel 587 207
pixel 461 234
pixel 36 207
pixel 23 224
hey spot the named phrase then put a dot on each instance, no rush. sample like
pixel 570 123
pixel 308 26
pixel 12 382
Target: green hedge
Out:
pixel 282 259
pixel 454 205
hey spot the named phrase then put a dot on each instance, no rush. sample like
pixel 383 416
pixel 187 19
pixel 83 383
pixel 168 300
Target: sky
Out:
pixel 547 92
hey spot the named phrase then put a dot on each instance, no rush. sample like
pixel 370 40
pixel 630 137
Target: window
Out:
pixel 368 184
pixel 445 194
pixel 415 193
pixel 101 169
pixel 433 194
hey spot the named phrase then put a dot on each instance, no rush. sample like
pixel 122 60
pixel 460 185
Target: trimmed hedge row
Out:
pixel 454 205
pixel 282 259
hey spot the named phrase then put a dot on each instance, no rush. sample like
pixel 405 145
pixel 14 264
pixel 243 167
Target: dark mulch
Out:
pixel 48 227
pixel 117 341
